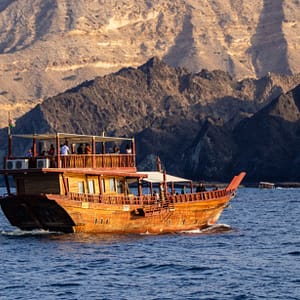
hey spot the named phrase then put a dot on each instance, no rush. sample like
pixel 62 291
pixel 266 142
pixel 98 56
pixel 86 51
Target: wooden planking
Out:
pixel 74 179
pixel 102 218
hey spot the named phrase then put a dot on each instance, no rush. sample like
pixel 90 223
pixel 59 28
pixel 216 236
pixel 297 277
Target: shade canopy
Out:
pixel 158 177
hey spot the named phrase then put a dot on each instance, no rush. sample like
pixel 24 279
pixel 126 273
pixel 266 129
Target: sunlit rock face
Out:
pixel 49 46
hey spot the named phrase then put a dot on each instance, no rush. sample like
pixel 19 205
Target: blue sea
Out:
pixel 253 253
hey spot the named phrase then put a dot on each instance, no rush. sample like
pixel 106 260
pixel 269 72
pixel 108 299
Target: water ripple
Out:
pixel 65 284
pixel 256 256
pixel 294 253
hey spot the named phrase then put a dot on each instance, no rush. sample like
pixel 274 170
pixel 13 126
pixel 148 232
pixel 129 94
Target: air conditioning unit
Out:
pixel 10 164
pixel 43 163
pixel 21 164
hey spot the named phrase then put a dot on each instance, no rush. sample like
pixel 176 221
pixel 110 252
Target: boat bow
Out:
pixel 235 182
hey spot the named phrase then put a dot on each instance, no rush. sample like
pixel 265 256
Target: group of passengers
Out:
pixel 50 152
pixel 84 149
pixel 81 149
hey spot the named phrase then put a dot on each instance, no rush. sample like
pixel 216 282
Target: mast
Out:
pixel 58 163
pixel 103 150
pixel 93 152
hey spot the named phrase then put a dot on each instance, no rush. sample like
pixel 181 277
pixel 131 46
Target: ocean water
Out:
pixel 254 253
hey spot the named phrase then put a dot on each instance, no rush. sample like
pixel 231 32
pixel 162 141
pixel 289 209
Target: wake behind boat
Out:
pixel 69 190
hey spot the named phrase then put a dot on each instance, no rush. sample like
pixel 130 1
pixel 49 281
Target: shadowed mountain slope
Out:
pixel 203 125
pixel 269 142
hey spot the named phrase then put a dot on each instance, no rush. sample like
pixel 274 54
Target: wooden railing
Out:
pixel 191 197
pixel 98 161
pixel 74 161
pixel 115 199
pixel 146 200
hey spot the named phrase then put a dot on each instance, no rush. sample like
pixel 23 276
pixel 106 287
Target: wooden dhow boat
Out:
pixel 90 192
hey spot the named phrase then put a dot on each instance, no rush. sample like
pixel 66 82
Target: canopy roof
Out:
pixel 158 177
pixel 80 138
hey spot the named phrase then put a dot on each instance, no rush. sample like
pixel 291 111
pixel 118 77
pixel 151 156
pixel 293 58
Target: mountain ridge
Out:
pixel 178 116
pixel 48 47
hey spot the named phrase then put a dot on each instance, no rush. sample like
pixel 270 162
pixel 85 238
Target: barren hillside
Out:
pixel 49 46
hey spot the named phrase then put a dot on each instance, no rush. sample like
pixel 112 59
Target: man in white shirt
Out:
pixel 64 150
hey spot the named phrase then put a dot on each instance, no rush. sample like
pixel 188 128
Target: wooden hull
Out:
pixel 91 192
pixel 59 213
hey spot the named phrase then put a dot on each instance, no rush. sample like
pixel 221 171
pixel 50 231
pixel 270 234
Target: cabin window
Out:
pixel 91 187
pixel 112 185
pixel 103 185
pixel 81 187
pixel 119 186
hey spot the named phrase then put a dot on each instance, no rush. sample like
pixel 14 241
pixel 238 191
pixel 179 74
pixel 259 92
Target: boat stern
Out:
pixel 36 212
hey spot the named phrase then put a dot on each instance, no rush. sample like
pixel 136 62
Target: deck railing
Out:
pixel 97 161
pixel 72 161
pixel 114 199
pixel 145 200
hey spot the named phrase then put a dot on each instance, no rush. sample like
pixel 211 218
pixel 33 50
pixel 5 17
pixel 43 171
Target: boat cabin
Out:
pixel 102 174
pixel 64 163
pixel 266 185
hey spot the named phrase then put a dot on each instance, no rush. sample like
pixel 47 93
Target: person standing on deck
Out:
pixel 128 150
pixel 29 153
pixel 64 150
pixel 80 149
pixel 116 149
pixel 200 188
pixel 87 149
pixel 51 151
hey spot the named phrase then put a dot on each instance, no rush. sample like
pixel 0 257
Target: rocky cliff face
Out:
pixel 269 141
pixel 47 47
pixel 202 125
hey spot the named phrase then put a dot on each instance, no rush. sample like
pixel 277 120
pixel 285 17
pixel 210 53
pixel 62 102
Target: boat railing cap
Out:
pixel 72 137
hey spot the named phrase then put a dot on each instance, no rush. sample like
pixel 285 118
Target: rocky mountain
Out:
pixel 203 125
pixel 47 47
pixel 269 141
pixel 265 144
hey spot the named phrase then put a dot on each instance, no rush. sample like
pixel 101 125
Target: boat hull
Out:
pixel 36 212
pixel 60 213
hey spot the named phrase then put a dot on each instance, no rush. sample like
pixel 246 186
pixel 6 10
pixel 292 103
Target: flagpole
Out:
pixel 8 124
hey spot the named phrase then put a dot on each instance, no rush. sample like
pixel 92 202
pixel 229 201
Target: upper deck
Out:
pixel 97 156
